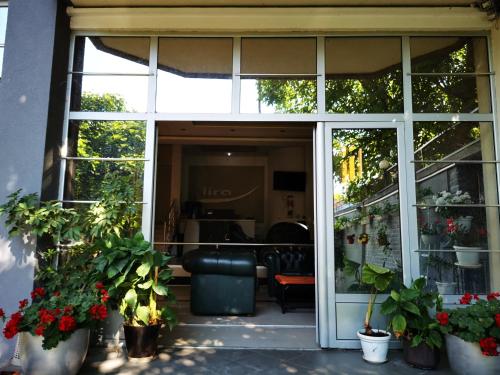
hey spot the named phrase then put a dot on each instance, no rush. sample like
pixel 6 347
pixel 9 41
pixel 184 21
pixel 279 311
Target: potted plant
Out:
pixel 138 275
pixel 410 320
pixel 472 334
pixel 446 203
pixel 466 242
pixel 363 238
pixel 64 304
pixel 55 326
pixel 429 233
pixel 375 343
pixel 382 238
pixel 441 265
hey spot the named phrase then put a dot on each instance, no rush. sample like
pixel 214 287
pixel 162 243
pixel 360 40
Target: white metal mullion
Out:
pixel 326 304
pixel 480 117
pixel 409 231
pixel 320 70
pixel 330 234
pixel 494 111
pixel 64 142
pixel 108 116
pixel 147 193
pixel 236 85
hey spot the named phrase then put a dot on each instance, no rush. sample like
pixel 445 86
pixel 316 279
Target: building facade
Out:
pixel 399 96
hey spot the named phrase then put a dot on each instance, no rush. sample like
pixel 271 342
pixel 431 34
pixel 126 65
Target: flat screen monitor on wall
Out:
pixel 289 181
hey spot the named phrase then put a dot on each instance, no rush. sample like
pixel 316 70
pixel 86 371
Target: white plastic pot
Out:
pixel 375 348
pixel 65 359
pixel 446 288
pixel 467 256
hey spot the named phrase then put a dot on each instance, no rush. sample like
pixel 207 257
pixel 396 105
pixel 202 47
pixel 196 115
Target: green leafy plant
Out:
pixel 340 223
pixel 409 317
pixel 378 279
pixel 27 215
pixel 477 322
pixel 137 275
pixel 382 238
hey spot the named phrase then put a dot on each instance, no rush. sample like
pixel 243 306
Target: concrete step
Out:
pixel 238 336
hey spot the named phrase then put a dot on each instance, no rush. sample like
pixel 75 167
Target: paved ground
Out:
pixel 247 362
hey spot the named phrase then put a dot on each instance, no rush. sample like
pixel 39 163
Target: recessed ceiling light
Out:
pixel 228 154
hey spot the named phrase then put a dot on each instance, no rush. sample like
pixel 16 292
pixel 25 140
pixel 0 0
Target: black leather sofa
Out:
pixel 288 260
pixel 223 282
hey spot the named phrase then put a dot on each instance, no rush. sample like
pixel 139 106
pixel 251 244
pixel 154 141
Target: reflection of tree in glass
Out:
pixel 102 139
pixel 376 145
pixel 382 92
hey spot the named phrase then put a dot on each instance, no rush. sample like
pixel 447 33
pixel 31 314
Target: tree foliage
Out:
pixel 105 139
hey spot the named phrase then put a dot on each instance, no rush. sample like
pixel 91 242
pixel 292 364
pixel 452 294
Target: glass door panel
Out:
pixel 366 204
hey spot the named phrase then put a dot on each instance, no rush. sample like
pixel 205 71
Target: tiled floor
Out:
pixel 237 361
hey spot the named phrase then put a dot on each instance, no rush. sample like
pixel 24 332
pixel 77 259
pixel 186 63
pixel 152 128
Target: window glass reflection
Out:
pixel 194 75
pixel 457 214
pixel 278 75
pixel 450 91
pixel 364 75
pixel 366 204
pixel 113 68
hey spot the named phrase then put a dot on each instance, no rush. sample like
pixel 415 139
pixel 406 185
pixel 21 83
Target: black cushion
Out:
pixel 220 262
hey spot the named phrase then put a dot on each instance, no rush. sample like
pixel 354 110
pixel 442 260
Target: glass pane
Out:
pixel 449 55
pixel 278 56
pixel 109 93
pixel 444 94
pixel 448 229
pixel 85 178
pixel 107 139
pixel 450 93
pixel 3 23
pixel 128 57
pixel 364 75
pixel 111 55
pixel 194 75
pixel 278 95
pixel 366 204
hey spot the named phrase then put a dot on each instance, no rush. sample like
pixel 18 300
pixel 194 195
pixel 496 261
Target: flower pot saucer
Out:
pixel 471 266
pixel 375 363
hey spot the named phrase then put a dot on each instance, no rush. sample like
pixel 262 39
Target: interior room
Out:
pixel 232 193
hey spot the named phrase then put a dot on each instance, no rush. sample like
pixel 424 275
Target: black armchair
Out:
pixel 222 281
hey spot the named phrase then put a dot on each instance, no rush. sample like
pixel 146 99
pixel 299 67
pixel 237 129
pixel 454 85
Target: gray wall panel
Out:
pixel 25 109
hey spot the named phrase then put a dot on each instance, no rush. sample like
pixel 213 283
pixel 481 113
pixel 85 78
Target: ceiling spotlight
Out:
pixel 228 154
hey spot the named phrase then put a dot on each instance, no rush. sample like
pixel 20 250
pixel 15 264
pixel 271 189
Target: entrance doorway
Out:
pixel 232 188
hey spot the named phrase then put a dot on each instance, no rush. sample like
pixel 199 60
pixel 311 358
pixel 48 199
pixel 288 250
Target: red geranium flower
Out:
pixel 105 295
pixel 497 320
pixel 11 328
pixel 67 324
pixel 98 312
pixel 2 314
pixel 46 317
pixel 38 292
pixel 466 298
pixel 68 310
pixel 443 318
pixel 39 330
pixel 23 304
pixel 488 346
pixel 56 293
pixel 99 285
pixel 492 296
